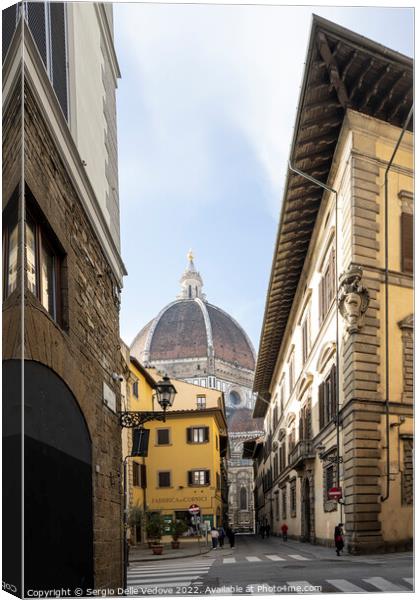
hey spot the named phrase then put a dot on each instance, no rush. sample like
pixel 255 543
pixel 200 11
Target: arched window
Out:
pixel 243 499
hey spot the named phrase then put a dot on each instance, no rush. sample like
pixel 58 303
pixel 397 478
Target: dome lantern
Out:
pixel 191 282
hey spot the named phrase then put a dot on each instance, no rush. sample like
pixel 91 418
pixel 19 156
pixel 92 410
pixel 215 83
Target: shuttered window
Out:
pixel 164 479
pixel 406 242
pixel 197 435
pixel 162 437
pixel 199 477
pixel 327 287
pixel 327 399
pixel 139 475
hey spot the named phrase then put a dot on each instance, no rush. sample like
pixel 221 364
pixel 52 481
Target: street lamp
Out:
pixel 165 396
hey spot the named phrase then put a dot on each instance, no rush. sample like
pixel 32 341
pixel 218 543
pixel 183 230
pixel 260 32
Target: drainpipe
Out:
pixel 391 160
pixel 337 378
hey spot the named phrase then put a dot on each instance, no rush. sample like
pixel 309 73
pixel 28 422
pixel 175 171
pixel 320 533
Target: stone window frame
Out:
pixel 292 495
pixel 277 505
pixel 407 328
pixel 329 505
pixel 201 401
pixel 406 199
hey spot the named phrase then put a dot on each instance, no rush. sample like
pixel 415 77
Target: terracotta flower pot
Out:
pixel 157 548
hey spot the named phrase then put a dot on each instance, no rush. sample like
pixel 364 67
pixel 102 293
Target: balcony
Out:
pixel 301 452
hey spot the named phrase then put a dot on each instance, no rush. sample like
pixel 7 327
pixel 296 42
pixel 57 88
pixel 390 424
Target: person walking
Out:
pixel 267 530
pixel 222 535
pixel 284 530
pixel 338 538
pixel 262 531
pixel 214 537
pixel 231 536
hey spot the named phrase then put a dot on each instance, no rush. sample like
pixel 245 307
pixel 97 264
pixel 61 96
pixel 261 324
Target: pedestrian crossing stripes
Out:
pixel 272 557
pixel 383 585
pixel 345 586
pixel 141 577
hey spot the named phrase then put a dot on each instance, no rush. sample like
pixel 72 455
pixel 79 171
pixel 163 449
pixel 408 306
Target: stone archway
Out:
pixel 58 495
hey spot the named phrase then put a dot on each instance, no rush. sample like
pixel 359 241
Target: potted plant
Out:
pixel 154 530
pixel 178 527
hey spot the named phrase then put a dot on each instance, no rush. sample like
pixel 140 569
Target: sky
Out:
pixel 206 107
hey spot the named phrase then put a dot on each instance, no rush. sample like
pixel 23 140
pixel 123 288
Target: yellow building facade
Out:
pixel 185 463
pixel 334 373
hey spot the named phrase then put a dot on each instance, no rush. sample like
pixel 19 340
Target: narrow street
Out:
pixel 257 566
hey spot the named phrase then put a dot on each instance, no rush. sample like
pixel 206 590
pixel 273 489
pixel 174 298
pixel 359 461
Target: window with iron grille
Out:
pixel 199 477
pixel 162 437
pixel 164 479
pixel 47 24
pixel 197 435
pixel 327 287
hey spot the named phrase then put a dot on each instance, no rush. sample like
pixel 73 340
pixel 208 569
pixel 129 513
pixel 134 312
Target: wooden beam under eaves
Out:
pixel 333 70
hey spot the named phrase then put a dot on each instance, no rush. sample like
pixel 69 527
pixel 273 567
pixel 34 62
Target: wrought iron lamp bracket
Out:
pixel 135 419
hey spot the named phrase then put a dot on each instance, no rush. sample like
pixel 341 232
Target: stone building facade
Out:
pixel 334 370
pixel 63 275
pixel 194 340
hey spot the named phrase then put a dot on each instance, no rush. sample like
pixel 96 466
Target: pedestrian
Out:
pixel 338 538
pixel 214 537
pixel 222 535
pixel 284 529
pixel 231 536
pixel 267 530
pixel 262 531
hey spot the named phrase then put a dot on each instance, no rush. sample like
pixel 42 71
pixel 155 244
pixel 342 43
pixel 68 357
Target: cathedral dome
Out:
pixel 190 327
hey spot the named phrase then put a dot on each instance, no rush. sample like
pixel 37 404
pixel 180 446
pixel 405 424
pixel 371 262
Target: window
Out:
pixel 197 435
pixel 305 423
pixel 291 372
pixel 243 499
pixel 201 402
pixel 284 503
pixel 139 475
pixel 293 498
pixel 305 338
pixel 196 382
pixel 203 382
pixel 136 389
pixel 282 398
pixel 43 259
pixel 162 437
pixel 291 442
pixel 43 267
pixel 277 506
pixel 327 399
pixel 327 286
pixel 330 479
pixel 164 479
pixel 217 442
pixel 407 475
pixel 406 242
pixel 282 457
pixel 199 477
pixel 218 481
pixel 10 249
pixel 218 386
pixel 47 23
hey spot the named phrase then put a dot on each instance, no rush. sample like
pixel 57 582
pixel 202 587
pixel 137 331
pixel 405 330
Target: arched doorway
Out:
pixel 58 503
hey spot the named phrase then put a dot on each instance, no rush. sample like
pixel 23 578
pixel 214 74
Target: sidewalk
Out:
pixel 276 544
pixel 142 553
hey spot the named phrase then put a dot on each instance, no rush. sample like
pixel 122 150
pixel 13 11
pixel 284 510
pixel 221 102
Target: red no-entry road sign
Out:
pixel 194 509
pixel 335 493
